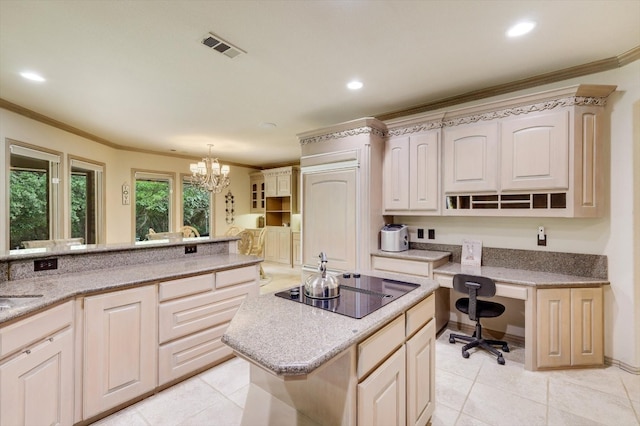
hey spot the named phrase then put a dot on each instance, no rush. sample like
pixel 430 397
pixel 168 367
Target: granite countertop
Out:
pixel 421 255
pixel 57 288
pixel 521 276
pixel 293 339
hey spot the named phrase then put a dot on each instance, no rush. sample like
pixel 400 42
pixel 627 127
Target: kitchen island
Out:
pixel 312 366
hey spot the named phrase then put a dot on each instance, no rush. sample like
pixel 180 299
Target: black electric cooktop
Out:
pixel 359 295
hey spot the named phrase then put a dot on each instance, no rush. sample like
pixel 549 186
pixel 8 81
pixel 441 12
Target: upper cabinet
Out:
pixel 280 182
pixel 411 171
pixel 257 192
pixel 537 155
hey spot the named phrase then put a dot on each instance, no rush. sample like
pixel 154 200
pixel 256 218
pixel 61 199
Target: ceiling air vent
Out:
pixel 216 43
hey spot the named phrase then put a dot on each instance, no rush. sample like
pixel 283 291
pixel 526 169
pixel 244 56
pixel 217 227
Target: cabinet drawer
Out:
pixel 376 348
pixel 186 286
pixel 403 266
pixel 420 314
pixel 32 329
pixel 185 355
pixel 236 276
pixel 180 317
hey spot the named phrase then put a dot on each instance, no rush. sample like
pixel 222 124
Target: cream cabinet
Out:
pixel 37 369
pixel 257 193
pixel 420 368
pixel 471 158
pixel 193 314
pixel 120 347
pixel 296 254
pixel 535 152
pixel 411 173
pixel 277 244
pixel 570 327
pixel 281 182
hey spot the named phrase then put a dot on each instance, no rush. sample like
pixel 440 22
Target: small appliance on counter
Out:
pixel 394 237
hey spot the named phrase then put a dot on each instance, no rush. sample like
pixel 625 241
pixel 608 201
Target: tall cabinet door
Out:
pixel 424 171
pixel 36 387
pixel 587 326
pixel 421 362
pixel 329 223
pixel 535 152
pixel 381 396
pixel 471 158
pixel 396 174
pixel 121 341
pixel 554 327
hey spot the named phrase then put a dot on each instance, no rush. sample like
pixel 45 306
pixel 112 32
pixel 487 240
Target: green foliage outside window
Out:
pixel 196 207
pixel 152 207
pixel 28 207
pixel 79 206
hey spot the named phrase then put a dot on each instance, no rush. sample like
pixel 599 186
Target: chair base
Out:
pixel 477 341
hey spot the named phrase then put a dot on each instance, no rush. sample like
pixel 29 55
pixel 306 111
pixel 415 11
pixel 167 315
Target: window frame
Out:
pixel 100 193
pixel 184 178
pixel 152 175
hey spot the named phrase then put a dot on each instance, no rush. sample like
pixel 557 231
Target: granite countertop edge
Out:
pixel 59 288
pixel 522 277
pixel 414 254
pixel 283 350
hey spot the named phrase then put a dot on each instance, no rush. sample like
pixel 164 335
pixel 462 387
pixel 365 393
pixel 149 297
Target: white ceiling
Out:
pixel 135 73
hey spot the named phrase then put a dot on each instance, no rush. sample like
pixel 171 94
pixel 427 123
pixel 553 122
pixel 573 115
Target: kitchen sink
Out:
pixel 11 301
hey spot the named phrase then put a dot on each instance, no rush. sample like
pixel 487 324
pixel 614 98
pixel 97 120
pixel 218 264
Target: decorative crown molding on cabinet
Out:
pixel 363 126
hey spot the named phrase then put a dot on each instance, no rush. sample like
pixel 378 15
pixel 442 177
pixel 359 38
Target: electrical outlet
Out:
pixel 420 233
pixel 542 237
pixel 190 249
pixel 45 264
pixel 432 234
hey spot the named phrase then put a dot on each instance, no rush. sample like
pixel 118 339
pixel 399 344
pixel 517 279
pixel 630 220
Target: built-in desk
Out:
pixel 563 313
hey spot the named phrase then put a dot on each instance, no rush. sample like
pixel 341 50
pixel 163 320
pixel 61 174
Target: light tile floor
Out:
pixel 473 391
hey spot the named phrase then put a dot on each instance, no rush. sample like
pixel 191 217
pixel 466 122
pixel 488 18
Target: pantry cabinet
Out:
pixel 37 369
pixel 411 174
pixel 120 347
pixel 570 327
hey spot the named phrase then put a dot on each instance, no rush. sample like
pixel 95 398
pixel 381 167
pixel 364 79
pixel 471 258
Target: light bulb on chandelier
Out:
pixel 209 175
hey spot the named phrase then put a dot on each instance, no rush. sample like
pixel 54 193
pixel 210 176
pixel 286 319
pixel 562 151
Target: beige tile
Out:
pixel 126 417
pixel 451 389
pixel 512 377
pixel 466 420
pixel 595 405
pixel 444 416
pixel 557 417
pixel 222 413
pixel 449 358
pixel 503 408
pixel 631 383
pixel 176 404
pixel 636 408
pixel 240 396
pixel 228 377
pixel 606 380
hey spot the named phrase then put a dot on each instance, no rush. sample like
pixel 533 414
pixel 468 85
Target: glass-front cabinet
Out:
pixel 257 192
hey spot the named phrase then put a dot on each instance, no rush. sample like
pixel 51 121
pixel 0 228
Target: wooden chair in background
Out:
pixel 189 232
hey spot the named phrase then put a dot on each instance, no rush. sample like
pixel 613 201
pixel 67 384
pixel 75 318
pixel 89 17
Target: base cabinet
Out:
pixel 120 347
pixel 421 364
pixel 278 244
pixel 36 383
pixel 570 327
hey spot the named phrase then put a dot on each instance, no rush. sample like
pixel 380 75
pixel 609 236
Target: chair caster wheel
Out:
pixel 465 354
pixel 452 340
pixel 505 348
pixel 500 360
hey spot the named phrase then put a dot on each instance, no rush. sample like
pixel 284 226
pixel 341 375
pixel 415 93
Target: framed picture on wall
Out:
pixel 471 252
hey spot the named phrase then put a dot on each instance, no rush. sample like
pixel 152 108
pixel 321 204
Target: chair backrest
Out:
pixel 260 245
pixel 233 231
pixel 245 242
pixel 189 231
pixel 487 285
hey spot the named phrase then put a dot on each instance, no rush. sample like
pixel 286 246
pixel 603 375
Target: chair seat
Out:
pixel 484 308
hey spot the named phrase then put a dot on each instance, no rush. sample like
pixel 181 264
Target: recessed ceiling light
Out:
pixel 355 85
pixel 32 76
pixel 521 28
pixel 267 125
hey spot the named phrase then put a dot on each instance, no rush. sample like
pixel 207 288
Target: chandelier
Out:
pixel 209 175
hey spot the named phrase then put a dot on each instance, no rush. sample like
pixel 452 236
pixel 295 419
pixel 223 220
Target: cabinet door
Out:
pixel 423 171
pixel 329 223
pixel 587 346
pixel 471 158
pixel 283 185
pixel 421 361
pixel 278 244
pixel 36 387
pixel 381 396
pixel 270 186
pixel 554 327
pixel 535 152
pixel 295 249
pixel 257 194
pixel 396 174
pixel 121 342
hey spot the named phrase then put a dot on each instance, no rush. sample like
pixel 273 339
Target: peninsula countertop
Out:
pixel 57 288
pixel 413 254
pixel 293 339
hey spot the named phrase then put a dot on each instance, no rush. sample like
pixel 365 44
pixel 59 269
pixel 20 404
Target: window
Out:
pixel 196 207
pixel 152 203
pixel 87 203
pixel 33 195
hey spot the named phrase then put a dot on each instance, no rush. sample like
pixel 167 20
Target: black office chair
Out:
pixel 478 287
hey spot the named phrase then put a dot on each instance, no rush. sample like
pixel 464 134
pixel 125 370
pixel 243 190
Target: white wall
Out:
pixel 119 217
pixel 611 235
